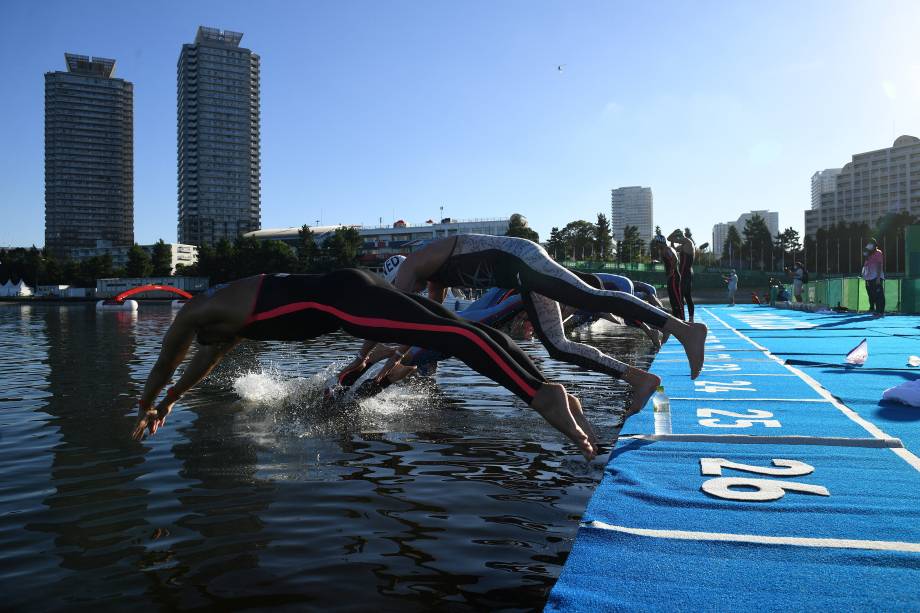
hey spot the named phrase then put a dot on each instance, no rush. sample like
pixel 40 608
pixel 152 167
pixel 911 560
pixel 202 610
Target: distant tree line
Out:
pixel 839 248
pixel 247 256
pixel 225 261
pixel 38 267
pixel 582 240
pixel 834 250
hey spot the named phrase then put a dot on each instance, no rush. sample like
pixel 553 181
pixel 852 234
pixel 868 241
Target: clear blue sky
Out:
pixel 392 109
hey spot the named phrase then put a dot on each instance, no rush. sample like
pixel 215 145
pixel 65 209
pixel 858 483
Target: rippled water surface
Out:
pixel 448 494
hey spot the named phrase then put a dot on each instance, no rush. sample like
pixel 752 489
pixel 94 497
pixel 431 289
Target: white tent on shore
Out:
pixel 15 289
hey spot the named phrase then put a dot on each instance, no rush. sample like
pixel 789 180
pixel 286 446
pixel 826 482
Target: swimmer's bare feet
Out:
pixel 643 385
pixel 693 338
pixel 551 402
pixel 582 421
pixel 654 336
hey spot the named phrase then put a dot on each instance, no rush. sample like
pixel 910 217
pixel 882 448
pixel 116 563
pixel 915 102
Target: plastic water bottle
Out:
pixel 662 407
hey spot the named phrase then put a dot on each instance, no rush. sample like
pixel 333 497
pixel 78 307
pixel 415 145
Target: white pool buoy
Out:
pixel 127 305
pixel 178 304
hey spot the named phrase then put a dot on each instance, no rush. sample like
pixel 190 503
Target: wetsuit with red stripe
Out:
pixel 301 307
pixel 673 282
pixel 686 281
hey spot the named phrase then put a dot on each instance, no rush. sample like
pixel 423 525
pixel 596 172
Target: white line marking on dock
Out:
pixel 753 439
pixel 871 428
pixel 799 541
pixel 745 399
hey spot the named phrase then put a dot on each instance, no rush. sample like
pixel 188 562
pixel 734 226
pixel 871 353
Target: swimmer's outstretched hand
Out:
pixel 151 419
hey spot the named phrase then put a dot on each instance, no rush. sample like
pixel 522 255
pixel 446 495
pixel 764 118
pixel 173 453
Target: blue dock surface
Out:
pixel 786 484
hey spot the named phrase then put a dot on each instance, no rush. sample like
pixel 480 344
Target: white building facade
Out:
pixel 631 206
pixel 720 230
pixel 870 186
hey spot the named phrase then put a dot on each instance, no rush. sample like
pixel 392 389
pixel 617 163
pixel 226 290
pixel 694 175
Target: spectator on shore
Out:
pixel 731 280
pixel 799 278
pixel 873 273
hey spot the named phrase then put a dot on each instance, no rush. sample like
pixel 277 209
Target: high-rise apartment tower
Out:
pixel 631 206
pixel 89 156
pixel 218 148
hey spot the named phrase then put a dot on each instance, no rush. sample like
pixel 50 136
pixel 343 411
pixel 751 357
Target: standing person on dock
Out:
pixel 731 281
pixel 799 279
pixel 672 272
pixel 302 307
pixel 686 250
pixel 873 273
pixel 481 261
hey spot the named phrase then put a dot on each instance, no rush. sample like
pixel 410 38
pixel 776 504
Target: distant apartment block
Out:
pixel 870 186
pixel 720 230
pixel 89 156
pixel 380 242
pixel 218 117
pixel 823 183
pixel 631 206
pixel 186 255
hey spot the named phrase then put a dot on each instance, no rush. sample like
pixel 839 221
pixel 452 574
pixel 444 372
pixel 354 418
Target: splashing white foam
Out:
pixel 273 387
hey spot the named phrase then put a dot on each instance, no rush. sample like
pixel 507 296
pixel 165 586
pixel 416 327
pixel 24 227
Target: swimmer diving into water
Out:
pixel 480 261
pixel 301 307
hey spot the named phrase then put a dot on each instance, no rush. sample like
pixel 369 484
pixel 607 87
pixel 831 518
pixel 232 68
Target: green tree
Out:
pixel 631 248
pixel 602 237
pixel 161 259
pixel 96 267
pixel 731 248
pixel 578 238
pixel 517 226
pixel 138 262
pixel 555 246
pixel 657 230
pixel 758 242
pixel 341 249
pixel 307 250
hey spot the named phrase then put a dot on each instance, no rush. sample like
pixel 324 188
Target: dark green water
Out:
pixel 450 495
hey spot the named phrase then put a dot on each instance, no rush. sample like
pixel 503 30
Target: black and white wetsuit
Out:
pixel 686 280
pixel 514 263
pixel 301 307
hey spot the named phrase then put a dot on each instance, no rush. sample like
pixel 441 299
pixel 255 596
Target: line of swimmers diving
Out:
pixel 284 307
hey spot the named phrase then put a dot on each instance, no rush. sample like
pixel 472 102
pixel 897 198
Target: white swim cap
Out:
pixel 391 266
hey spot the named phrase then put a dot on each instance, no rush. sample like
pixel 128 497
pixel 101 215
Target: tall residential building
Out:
pixel 89 156
pixel 218 148
pixel 823 182
pixel 720 230
pixel 870 186
pixel 631 206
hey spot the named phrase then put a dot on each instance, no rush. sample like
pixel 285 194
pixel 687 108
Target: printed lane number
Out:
pixel 757 490
pixel 744 420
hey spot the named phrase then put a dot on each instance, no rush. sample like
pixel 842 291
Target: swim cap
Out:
pixel 660 240
pixel 391 266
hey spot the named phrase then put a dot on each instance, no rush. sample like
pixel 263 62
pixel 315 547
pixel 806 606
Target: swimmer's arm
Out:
pixel 204 360
pixel 175 345
pixel 200 366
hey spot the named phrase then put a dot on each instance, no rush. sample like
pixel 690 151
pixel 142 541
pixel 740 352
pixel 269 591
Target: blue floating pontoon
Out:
pixel 786 484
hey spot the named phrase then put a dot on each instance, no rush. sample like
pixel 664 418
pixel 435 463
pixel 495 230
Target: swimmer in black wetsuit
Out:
pixel 481 261
pixel 672 272
pixel 301 307
pixel 686 251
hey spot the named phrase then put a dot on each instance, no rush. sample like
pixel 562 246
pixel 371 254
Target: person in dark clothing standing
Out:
pixel 686 250
pixel 672 270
